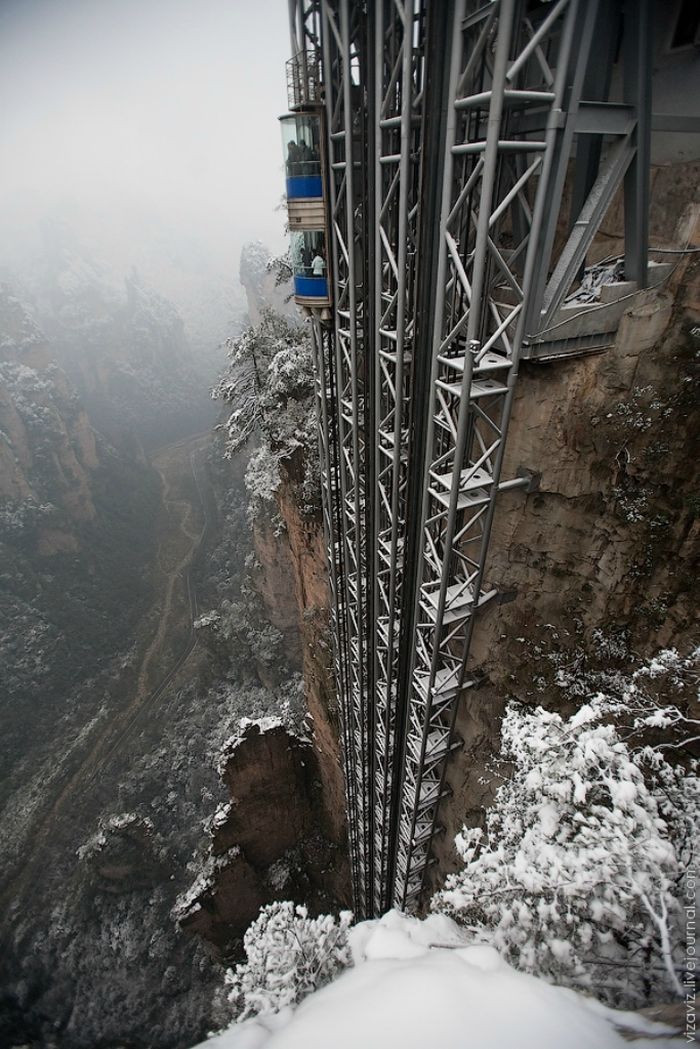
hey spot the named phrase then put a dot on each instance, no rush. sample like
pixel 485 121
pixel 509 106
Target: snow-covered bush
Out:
pixel 240 634
pixel 289 956
pixel 579 876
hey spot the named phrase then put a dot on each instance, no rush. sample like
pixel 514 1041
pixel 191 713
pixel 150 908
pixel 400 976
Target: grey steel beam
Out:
pixel 471 405
pixel 620 156
pixel 637 91
pixel 397 127
pixel 438 40
pixel 305 23
pixel 579 26
pixel 675 122
pixel 405 806
pixel 340 49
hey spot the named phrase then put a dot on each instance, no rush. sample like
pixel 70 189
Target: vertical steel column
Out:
pixel 401 830
pixel 347 224
pixel 397 130
pixel 637 90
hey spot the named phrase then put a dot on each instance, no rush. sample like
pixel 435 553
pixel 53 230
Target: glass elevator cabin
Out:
pixel 302 141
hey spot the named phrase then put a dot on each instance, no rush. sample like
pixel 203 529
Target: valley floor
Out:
pixel 48 889
pixel 166 639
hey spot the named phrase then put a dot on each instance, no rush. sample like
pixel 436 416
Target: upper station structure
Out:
pixel 448 166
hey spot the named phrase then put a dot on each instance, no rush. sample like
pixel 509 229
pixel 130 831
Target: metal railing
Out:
pixel 304 79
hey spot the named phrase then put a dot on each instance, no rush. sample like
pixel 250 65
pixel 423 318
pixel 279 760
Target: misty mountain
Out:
pixel 122 344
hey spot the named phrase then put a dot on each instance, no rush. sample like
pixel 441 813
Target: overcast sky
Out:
pixel 129 113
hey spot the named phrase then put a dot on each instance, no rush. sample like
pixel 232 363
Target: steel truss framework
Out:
pixel 397 124
pixel 433 310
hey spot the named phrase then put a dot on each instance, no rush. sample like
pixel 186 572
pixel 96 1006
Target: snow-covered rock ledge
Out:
pixel 417 983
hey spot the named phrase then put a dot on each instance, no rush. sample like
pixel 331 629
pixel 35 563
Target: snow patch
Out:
pixel 187 902
pixel 414 984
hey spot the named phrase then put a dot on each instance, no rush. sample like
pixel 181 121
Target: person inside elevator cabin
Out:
pixel 318 265
pixel 292 159
pixel 305 158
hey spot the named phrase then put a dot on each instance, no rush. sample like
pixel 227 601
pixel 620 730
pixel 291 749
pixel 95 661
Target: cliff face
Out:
pixel 293 582
pixel 283 834
pixel 275 582
pixel 310 586
pixel 600 561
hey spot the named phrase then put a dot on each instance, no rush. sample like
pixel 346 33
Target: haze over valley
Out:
pixel 127 197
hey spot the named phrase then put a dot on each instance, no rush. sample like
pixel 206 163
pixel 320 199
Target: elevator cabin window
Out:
pixel 309 264
pixel 301 138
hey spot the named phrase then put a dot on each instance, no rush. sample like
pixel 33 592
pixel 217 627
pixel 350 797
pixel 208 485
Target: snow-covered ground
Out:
pixel 416 984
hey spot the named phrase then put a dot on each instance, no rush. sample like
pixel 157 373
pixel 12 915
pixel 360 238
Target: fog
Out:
pixel 148 128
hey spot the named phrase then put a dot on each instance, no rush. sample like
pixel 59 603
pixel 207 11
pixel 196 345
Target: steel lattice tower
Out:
pixel 450 129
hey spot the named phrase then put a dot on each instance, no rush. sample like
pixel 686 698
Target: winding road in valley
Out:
pixel 168 628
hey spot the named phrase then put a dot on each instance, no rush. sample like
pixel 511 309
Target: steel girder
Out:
pixel 329 52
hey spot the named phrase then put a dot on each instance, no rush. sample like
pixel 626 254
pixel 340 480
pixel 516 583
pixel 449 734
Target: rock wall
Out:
pixel 284 834
pixel 293 578
pixel 310 584
pixel 274 581
pixel 604 555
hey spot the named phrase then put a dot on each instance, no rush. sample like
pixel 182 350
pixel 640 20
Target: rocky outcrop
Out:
pixel 283 835
pixel 274 583
pixel 601 560
pixel 125 856
pixel 259 277
pixel 293 577
pixel 270 841
pixel 310 584
pixel 292 580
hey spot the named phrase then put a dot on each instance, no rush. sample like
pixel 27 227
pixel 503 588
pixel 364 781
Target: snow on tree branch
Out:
pixel 269 385
pixel 289 956
pixel 579 874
